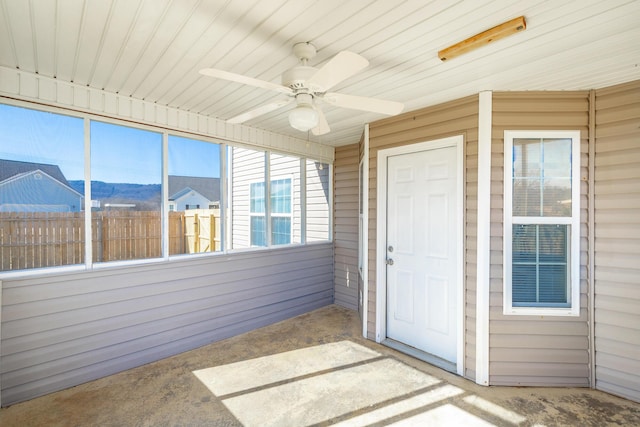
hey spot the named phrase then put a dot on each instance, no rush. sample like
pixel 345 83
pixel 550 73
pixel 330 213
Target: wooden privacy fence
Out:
pixel 193 231
pixel 123 235
pixel 40 239
pixel 47 239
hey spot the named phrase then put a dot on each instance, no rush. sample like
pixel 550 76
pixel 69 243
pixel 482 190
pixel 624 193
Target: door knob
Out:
pixel 389 261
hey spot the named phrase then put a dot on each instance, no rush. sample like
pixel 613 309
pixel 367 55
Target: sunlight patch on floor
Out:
pixel 311 385
pixel 445 415
pixel 402 407
pixel 327 396
pixel 253 373
pixel 494 409
pixel 345 383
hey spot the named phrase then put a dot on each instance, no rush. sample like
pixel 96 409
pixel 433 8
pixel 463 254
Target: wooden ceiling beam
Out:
pixel 484 38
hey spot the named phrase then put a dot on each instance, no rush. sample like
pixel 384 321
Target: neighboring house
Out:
pixel 248 202
pixel 186 192
pixel 36 187
pixel 188 198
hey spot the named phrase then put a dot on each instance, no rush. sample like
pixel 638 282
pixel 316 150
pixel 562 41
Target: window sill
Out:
pixel 542 311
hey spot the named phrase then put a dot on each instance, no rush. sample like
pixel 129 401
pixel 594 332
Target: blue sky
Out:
pixel 119 154
pixel 39 137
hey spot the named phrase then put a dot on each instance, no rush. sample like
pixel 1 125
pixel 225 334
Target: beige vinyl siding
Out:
pixel 459 117
pixel 346 226
pixel 617 240
pixel 63 329
pixel 535 350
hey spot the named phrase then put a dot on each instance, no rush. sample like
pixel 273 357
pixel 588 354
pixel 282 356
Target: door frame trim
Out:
pixel 456 141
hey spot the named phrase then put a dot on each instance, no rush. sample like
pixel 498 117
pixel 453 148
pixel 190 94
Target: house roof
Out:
pixel 208 187
pixel 11 168
pixel 20 176
pixel 152 51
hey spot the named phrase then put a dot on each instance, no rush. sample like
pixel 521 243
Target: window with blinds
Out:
pixel 541 220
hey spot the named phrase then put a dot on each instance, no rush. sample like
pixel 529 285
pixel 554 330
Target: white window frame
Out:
pixel 226 208
pixel 573 222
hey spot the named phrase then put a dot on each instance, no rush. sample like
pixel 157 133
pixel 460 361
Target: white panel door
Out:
pixel 421 251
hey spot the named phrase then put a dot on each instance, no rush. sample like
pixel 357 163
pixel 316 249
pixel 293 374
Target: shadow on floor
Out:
pixel 314 369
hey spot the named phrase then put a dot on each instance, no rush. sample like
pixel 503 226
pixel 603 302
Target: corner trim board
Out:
pixel 484 236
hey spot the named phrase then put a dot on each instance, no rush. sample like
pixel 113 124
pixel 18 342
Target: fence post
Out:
pixel 196 234
pixel 212 232
pixel 99 238
pixel 183 233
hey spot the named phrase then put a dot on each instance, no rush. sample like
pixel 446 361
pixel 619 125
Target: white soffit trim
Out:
pixel 483 239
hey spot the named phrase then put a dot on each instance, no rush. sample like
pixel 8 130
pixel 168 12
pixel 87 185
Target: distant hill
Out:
pixel 120 192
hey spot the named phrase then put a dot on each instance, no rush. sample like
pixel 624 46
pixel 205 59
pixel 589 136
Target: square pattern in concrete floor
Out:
pixel 312 370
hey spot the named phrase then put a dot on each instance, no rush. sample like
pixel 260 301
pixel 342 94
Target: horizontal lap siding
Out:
pixel 247 167
pixel 346 226
pixel 617 240
pixel 61 330
pixel 459 117
pixel 318 203
pixel 533 350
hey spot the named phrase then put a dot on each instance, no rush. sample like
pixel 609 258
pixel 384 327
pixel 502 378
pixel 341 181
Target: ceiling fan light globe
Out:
pixel 303 118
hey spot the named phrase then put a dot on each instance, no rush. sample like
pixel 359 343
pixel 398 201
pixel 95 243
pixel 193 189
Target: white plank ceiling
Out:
pixel 153 49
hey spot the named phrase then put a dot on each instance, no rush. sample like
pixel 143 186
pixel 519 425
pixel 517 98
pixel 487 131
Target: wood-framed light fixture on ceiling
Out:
pixel 484 38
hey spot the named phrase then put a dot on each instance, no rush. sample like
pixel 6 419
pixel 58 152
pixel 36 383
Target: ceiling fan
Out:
pixel 307 85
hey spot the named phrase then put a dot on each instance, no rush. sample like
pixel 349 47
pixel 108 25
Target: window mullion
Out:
pixel 542 220
pixel 224 198
pixel 165 196
pixel 541 176
pixel 88 212
pixel 537 263
pixel 303 201
pixel 267 197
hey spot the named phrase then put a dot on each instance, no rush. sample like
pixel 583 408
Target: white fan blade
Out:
pixel 342 66
pixel 267 108
pixel 323 126
pixel 239 78
pixel 363 103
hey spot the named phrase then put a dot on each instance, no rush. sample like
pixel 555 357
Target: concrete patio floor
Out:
pixel 314 369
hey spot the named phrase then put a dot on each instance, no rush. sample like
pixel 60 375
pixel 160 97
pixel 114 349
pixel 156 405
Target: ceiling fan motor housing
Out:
pixel 296 77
